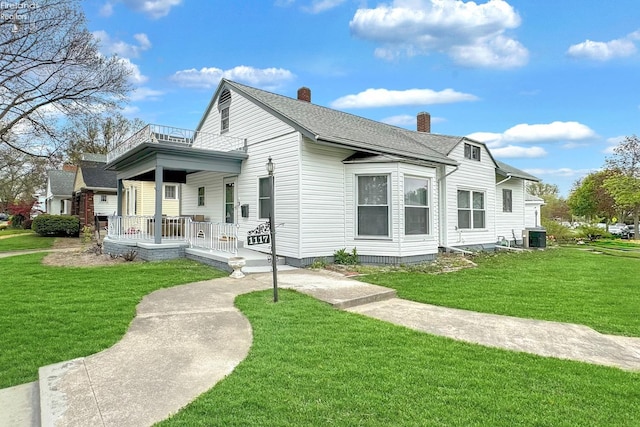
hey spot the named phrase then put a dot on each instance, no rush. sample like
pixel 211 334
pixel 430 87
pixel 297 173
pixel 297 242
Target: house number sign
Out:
pixel 259 235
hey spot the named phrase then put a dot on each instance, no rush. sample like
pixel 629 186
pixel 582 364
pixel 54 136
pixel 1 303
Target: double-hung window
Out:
pixel 264 198
pixel 170 192
pixel 507 200
pixel 373 205
pixel 224 120
pixel 416 206
pixel 471 209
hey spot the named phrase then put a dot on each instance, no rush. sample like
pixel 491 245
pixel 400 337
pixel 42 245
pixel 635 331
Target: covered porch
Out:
pixel 162 154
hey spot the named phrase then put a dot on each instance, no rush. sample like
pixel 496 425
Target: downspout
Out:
pixel 442 205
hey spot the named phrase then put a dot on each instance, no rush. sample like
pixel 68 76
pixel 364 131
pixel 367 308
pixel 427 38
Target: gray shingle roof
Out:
pixel 508 170
pixel 324 124
pixel 61 182
pixel 95 175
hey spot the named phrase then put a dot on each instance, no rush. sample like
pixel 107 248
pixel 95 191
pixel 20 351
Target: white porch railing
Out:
pixel 159 134
pixel 217 237
pixel 213 236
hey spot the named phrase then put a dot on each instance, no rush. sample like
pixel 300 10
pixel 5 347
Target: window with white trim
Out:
pixel 472 151
pixel 264 198
pixel 507 200
pixel 103 197
pixel 471 209
pixel 224 120
pixel 170 192
pixel 373 205
pixel 416 205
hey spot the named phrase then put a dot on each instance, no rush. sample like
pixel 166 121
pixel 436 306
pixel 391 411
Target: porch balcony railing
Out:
pixel 159 134
pixel 206 235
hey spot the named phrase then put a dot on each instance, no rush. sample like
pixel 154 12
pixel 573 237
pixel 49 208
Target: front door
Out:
pixel 230 200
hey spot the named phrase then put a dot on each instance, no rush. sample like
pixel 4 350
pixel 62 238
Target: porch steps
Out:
pixel 256 262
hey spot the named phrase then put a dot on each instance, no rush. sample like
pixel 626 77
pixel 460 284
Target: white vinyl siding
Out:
pixel 509 225
pixel 470 175
pixel 101 208
pixel 212 183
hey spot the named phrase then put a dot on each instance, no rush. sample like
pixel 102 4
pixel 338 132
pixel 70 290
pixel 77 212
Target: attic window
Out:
pixel 472 152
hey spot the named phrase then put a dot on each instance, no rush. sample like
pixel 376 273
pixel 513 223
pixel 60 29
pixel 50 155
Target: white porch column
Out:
pixel 157 228
pixel 119 193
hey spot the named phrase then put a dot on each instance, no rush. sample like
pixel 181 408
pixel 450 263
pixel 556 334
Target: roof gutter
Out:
pixel 504 180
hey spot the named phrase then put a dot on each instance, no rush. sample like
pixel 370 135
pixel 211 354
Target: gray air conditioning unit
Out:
pixel 534 238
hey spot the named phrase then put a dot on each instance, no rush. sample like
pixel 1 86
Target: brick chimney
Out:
pixel 424 122
pixel 69 168
pixel 304 94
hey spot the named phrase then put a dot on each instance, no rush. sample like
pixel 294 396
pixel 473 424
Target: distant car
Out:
pixel 631 231
pixel 618 229
pixel 4 216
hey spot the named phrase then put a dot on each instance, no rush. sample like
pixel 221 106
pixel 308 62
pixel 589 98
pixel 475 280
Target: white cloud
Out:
pixel 106 10
pixel 604 51
pixel 613 143
pixel 407 120
pixel 471 34
pixel 537 133
pixel 386 98
pixel 152 8
pixel 319 6
pixel 110 46
pixel 511 151
pixel 210 77
pixel 136 77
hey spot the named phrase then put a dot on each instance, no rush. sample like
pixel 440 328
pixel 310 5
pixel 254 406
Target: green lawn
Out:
pixel 565 284
pixel 51 314
pixel 311 365
pixel 25 241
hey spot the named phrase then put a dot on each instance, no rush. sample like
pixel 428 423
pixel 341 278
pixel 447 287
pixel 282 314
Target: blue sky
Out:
pixel 550 86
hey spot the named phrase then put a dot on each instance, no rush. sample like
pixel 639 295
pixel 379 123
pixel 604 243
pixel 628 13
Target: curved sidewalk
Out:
pixel 185 339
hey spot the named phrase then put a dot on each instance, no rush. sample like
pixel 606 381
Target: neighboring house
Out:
pixel 60 190
pixel 94 190
pixel 341 181
pixel 139 198
pixel 532 206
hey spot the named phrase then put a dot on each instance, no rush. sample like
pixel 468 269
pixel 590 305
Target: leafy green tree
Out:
pixel 589 197
pixel 555 207
pixel 624 183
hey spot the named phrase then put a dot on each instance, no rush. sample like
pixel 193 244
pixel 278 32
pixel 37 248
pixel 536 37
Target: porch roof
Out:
pixel 140 162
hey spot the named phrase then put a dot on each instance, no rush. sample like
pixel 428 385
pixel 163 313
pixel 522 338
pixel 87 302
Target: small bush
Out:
pixel 557 232
pixel 591 232
pixel 345 258
pixel 56 225
pixel 27 223
pixel 318 263
pixel 130 255
pixel 87 234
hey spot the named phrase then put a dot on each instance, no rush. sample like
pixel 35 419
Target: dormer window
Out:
pixel 223 106
pixel 471 152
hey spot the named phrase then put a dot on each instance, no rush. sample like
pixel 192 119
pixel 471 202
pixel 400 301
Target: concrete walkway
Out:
pixel 185 339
